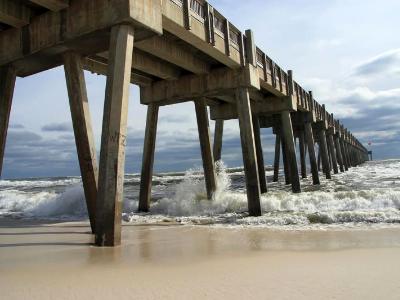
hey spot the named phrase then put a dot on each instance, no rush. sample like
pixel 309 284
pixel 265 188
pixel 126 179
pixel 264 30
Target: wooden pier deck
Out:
pixel 176 51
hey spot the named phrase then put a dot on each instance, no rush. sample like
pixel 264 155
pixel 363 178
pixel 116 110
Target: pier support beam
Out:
pixel 82 124
pixel 249 151
pixel 311 152
pixel 206 148
pixel 148 158
pixel 260 155
pixel 332 152
pixel 344 154
pixel 286 166
pixel 113 140
pixel 323 150
pixel 277 157
pixel 339 153
pixel 7 84
pixel 302 147
pixel 287 130
pixel 218 135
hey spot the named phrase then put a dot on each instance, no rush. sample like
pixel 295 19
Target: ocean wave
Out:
pixel 368 194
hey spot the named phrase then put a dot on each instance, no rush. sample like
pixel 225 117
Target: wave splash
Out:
pixel 364 195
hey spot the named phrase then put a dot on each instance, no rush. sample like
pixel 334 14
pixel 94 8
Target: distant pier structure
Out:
pixel 176 51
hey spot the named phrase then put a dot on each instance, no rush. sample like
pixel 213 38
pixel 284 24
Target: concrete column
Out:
pixel 82 124
pixel 206 147
pixel 319 158
pixel 7 84
pixel 323 148
pixel 249 151
pixel 113 140
pixel 344 155
pixel 260 155
pixel 286 166
pixel 339 153
pixel 218 134
pixel 311 152
pixel 287 130
pixel 148 158
pixel 277 157
pixel 332 152
pixel 302 147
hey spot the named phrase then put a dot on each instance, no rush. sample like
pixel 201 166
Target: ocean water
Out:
pixel 365 196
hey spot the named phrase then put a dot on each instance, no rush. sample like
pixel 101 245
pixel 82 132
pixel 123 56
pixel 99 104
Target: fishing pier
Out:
pixel 176 51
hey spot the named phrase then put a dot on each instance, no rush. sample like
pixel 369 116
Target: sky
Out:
pixel 346 52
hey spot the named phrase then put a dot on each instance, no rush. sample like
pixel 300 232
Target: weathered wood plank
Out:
pixel 332 152
pixel 249 151
pixel 339 153
pixel 218 136
pixel 148 158
pixel 14 13
pixel 302 147
pixel 219 81
pixel 206 147
pixel 113 141
pixel 287 131
pixel 54 5
pixel 82 124
pixel 174 53
pixel 311 152
pixel 277 157
pixel 260 155
pixel 7 86
pixel 323 149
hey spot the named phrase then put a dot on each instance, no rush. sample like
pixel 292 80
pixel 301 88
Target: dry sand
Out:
pixel 57 261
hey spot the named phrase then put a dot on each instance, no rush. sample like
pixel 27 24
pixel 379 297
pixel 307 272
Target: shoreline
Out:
pixel 57 260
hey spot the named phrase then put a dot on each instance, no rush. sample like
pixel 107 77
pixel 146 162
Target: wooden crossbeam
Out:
pixel 218 82
pixel 174 53
pixel 14 13
pixel 54 5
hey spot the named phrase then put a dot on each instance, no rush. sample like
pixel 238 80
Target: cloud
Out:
pixel 174 119
pixel 57 127
pixel 16 126
pixel 387 62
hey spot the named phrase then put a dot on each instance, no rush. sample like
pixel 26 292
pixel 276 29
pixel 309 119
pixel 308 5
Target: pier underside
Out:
pixel 176 51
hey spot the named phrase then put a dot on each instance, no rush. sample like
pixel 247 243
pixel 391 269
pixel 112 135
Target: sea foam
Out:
pixel 369 194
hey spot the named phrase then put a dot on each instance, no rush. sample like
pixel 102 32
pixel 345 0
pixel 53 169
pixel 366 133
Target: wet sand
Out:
pixel 57 261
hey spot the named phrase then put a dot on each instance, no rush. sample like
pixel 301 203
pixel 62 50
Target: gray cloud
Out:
pixel 387 61
pixel 174 119
pixel 16 126
pixel 57 127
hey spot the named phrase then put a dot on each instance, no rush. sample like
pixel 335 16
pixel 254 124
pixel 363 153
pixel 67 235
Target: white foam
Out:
pixel 364 195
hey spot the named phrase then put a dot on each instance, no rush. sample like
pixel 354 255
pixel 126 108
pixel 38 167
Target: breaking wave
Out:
pixel 369 194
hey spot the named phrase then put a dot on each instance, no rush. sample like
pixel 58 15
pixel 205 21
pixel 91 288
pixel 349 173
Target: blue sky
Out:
pixel 347 52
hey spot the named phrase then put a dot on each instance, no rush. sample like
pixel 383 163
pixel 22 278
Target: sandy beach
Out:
pixel 57 261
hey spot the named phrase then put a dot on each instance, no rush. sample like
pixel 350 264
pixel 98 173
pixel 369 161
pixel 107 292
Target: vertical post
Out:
pixel 311 152
pixel 339 153
pixel 7 84
pixel 286 166
pixel 344 154
pixel 249 151
pixel 148 158
pixel 287 130
pixel 82 124
pixel 218 134
pixel 206 148
pixel 332 151
pixel 113 140
pixel 323 149
pixel 302 147
pixel 260 155
pixel 187 18
pixel 277 157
